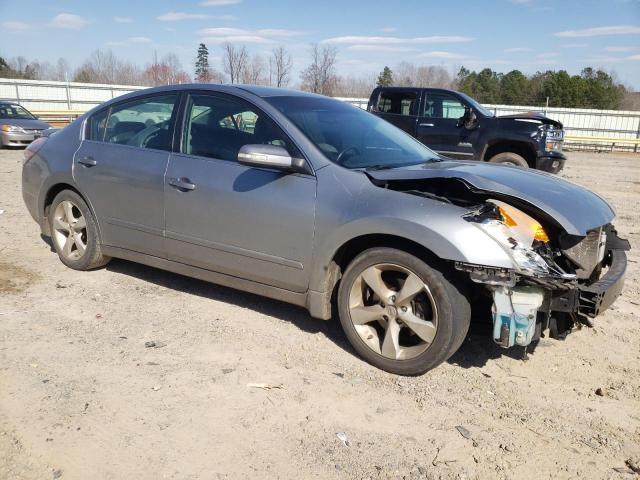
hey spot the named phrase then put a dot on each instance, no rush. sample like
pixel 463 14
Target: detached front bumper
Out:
pixel 588 301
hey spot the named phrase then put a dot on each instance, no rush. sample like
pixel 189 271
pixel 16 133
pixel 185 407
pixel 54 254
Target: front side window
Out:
pixel 218 126
pixel 350 136
pixel 142 123
pixel 400 103
pixel 442 105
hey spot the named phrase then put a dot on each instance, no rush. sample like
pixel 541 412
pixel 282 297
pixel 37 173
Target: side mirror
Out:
pixel 270 156
pixel 469 120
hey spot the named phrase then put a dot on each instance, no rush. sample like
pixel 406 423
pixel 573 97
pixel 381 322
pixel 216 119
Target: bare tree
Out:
pixel 254 71
pixel 234 61
pixel 166 71
pixel 280 64
pixel 356 86
pixel 409 75
pixel 320 76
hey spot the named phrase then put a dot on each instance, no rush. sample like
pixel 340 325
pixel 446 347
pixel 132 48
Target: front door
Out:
pixel 438 125
pixel 252 223
pixel 120 165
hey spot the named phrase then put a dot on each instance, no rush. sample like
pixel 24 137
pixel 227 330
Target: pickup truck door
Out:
pixel 399 106
pixel 438 126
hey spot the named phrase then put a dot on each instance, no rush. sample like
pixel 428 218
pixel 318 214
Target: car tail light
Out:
pixel 33 148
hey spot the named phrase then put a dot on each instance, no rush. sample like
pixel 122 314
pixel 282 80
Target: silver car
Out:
pixel 315 202
pixel 18 127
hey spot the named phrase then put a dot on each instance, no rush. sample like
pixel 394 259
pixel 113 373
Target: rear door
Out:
pixel 252 223
pixel 399 106
pixel 120 166
pixel 438 125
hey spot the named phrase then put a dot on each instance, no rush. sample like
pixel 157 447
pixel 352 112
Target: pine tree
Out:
pixel 202 64
pixel 385 79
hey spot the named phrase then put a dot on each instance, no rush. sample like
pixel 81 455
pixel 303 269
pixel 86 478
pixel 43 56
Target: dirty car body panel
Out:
pixel 510 232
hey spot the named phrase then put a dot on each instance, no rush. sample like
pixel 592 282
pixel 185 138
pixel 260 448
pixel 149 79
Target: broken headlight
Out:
pixel 515 232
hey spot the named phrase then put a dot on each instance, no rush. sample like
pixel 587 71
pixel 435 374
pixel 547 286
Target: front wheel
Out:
pixel 509 158
pixel 400 314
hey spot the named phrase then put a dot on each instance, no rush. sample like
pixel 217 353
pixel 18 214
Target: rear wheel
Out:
pixel 509 158
pixel 75 233
pixel 400 314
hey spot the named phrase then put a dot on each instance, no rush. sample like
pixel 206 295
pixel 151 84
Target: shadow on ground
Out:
pixel 286 312
pixel 477 349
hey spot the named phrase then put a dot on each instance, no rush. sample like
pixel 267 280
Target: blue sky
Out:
pixel 529 35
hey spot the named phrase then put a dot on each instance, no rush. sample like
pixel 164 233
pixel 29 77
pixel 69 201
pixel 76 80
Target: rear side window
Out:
pixel 142 123
pixel 96 126
pixel 400 103
pixel 443 105
pixel 218 126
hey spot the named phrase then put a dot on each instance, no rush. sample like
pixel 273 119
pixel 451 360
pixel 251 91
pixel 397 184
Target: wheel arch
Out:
pixel 47 199
pixel 321 301
pixel 523 149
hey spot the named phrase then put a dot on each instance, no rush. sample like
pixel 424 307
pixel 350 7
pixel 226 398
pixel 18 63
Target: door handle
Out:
pixel 426 125
pixel 88 161
pixel 182 184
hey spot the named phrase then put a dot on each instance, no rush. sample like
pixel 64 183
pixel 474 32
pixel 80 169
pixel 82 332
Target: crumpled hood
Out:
pixel 573 207
pixel 536 116
pixel 25 123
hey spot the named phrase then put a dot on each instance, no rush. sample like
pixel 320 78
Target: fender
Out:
pixel 458 240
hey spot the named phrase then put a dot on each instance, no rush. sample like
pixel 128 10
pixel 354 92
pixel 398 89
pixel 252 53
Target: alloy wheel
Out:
pixel 69 230
pixel 393 311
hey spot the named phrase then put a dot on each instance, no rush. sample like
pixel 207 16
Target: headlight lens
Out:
pixel 515 232
pixel 11 128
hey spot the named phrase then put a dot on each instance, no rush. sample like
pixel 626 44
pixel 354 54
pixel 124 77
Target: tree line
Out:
pixel 592 88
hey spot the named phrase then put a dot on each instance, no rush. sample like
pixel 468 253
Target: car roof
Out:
pixel 258 90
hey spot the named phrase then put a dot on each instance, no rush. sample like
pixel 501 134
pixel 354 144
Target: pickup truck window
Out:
pixel 442 105
pixel 400 103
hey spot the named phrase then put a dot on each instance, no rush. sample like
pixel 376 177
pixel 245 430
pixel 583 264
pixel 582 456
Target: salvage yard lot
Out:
pixel 82 397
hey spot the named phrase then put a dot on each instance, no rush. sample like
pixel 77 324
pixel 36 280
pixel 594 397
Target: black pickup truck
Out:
pixel 456 126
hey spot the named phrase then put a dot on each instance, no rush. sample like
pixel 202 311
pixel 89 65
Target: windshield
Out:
pixel 15 112
pixel 484 111
pixel 350 136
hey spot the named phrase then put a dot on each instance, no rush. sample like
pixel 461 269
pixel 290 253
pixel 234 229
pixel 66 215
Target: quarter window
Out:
pixel 443 105
pixel 400 103
pixel 142 123
pixel 96 126
pixel 218 126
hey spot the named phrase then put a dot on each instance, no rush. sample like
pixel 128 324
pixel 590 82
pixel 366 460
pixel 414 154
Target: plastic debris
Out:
pixel 466 434
pixel 153 344
pixel 343 438
pixel 264 386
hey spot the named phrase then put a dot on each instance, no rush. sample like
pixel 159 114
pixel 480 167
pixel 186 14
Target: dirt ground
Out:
pixel 81 397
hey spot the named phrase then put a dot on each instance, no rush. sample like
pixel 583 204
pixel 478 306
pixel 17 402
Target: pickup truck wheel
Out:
pixel 400 314
pixel 509 158
pixel 74 232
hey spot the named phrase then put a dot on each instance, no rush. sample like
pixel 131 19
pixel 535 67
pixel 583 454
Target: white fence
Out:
pixel 62 96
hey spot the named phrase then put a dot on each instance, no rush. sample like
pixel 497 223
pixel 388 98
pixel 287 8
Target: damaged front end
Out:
pixel 558 281
pixel 567 262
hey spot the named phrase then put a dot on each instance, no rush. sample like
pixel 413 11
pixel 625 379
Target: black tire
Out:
pixel 454 312
pixel 509 158
pixel 92 257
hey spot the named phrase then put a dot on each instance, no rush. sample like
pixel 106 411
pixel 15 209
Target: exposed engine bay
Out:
pixel 558 280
